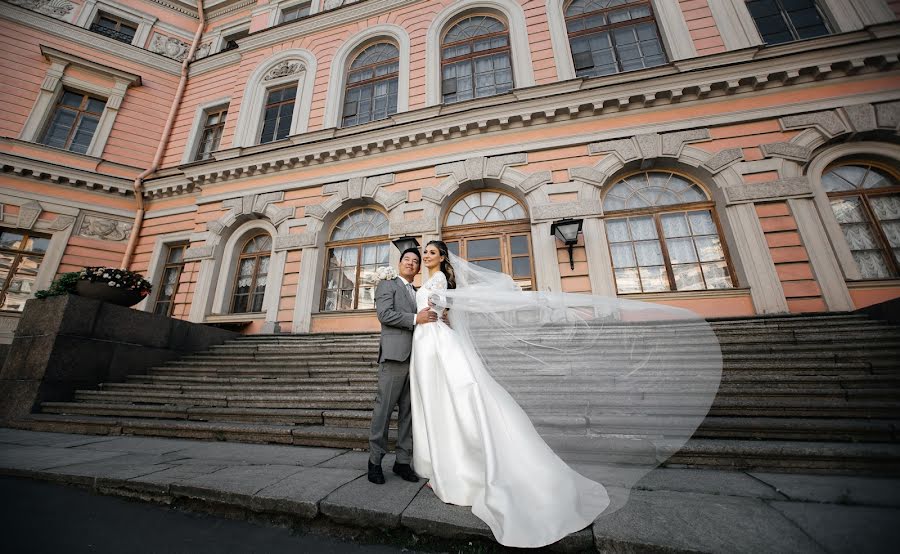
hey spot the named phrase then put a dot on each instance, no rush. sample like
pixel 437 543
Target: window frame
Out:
pixel 115 33
pixel 884 244
pixel 85 100
pixel 281 9
pixel 359 243
pixel 179 267
pixel 472 55
pixel 17 259
pixel 237 269
pixel 609 27
pixel 656 212
pixel 266 106
pixel 830 27
pixel 395 76
pixel 144 22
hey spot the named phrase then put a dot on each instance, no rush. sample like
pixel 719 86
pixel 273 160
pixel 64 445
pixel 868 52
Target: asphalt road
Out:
pixel 43 517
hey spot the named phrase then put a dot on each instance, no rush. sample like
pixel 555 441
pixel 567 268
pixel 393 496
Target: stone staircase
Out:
pixel 798 393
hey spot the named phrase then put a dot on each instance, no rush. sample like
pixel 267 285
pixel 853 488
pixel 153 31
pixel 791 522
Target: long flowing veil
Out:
pixel 613 386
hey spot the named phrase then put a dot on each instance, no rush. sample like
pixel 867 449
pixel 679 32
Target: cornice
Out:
pixel 214 62
pixel 77 178
pixel 319 22
pixel 545 104
pixel 53 53
pixel 221 12
pixel 95 41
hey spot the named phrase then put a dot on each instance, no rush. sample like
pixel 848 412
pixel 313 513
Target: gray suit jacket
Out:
pixel 397 314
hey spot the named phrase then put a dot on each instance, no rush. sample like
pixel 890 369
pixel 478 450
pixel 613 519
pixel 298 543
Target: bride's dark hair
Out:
pixel 446 268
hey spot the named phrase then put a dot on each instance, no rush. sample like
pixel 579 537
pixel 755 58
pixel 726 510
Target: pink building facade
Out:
pixel 731 157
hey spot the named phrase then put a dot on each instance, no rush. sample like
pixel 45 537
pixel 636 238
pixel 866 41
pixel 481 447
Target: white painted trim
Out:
pixel 193 141
pixel 219 34
pixel 736 25
pixel 520 52
pixel 814 172
pixel 275 8
pixel 824 264
pixel 341 61
pixel 144 21
pixel 229 258
pixel 596 248
pixel 872 12
pixel 674 30
pixel 157 262
pixel 250 116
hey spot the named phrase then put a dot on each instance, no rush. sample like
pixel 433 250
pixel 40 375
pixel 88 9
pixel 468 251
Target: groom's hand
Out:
pixel 425 316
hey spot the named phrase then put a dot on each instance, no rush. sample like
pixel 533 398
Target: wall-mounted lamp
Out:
pixel 403 243
pixel 567 231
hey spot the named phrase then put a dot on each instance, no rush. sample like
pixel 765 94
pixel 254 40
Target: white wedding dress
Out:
pixel 478 448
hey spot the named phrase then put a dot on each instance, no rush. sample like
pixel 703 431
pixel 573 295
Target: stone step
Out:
pixel 228 381
pixel 233 388
pixel 744 455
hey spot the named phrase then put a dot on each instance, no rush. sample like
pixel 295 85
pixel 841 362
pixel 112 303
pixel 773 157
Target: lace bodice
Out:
pixel 436 284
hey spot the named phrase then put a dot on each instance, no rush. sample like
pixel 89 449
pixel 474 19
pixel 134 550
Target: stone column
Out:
pixel 546 267
pixel 306 287
pixel 200 302
pixel 824 264
pixel 273 291
pixel 765 287
pixel 596 248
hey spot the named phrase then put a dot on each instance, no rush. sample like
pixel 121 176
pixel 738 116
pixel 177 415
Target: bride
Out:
pixel 476 445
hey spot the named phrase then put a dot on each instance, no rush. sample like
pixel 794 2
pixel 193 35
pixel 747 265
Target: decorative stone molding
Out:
pixel 258 205
pixel 827 122
pixel 786 150
pixel 723 159
pixel 295 241
pixel 625 149
pixel 284 69
pixel 888 115
pixel 28 214
pixel 650 145
pixel 60 9
pixel 104 228
pixel 861 117
pixel 176 49
pixel 332 4
pixel 195 253
pixel 558 210
pixel 476 170
pixel 673 143
pixel 773 190
pixel 61 223
pixel 588 175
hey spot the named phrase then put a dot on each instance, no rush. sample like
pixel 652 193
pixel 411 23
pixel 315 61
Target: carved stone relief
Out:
pixel 101 228
pixel 176 49
pixel 284 69
pixel 60 9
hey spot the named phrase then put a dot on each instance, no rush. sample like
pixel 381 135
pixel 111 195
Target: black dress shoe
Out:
pixel 406 473
pixel 375 474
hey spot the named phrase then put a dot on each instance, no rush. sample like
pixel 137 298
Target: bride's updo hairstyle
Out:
pixel 446 268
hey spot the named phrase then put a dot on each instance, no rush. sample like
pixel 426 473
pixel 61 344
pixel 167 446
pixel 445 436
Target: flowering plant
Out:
pixel 385 273
pixel 115 277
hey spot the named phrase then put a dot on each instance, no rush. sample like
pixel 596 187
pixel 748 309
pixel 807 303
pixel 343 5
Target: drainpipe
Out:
pixel 163 141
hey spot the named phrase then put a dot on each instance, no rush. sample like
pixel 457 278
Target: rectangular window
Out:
pixel 294 13
pixel 168 287
pixel 230 42
pixel 74 121
pixel 21 254
pixel 114 27
pixel 278 113
pixel 788 20
pixel 213 125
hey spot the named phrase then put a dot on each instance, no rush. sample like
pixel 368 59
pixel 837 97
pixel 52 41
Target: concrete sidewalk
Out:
pixel 672 510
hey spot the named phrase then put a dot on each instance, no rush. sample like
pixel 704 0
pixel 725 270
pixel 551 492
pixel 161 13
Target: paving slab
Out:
pixel 61 440
pixel 728 483
pixel 121 467
pixel 39 458
pixel 161 480
pixel 354 459
pixel 429 515
pixel 850 529
pixel 362 503
pixel 835 489
pixel 256 454
pixel 144 445
pixel 666 521
pixel 233 484
pixel 301 492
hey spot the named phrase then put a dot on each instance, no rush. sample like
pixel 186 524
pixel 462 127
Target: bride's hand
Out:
pixel 425 315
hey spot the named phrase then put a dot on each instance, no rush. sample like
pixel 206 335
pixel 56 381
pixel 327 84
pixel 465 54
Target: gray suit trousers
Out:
pixel 393 390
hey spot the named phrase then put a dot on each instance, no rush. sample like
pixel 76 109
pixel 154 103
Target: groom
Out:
pixel 395 302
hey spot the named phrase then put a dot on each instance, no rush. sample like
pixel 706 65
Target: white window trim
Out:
pixel 249 121
pixel 56 80
pixel 340 63
pixel 670 22
pixel 158 262
pixel 222 33
pixel 736 25
pixel 144 21
pixel 814 172
pixel 853 16
pixel 231 255
pixel 520 52
pixel 193 141
pixel 275 8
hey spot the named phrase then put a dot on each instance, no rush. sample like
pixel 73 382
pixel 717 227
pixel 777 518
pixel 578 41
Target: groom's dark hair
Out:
pixel 415 251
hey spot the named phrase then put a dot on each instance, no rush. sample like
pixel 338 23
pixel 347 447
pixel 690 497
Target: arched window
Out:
pixel 252 274
pixel 664 235
pixel 475 59
pixel 491 229
pixel 358 246
pixel 372 85
pixel 610 36
pixel 865 199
